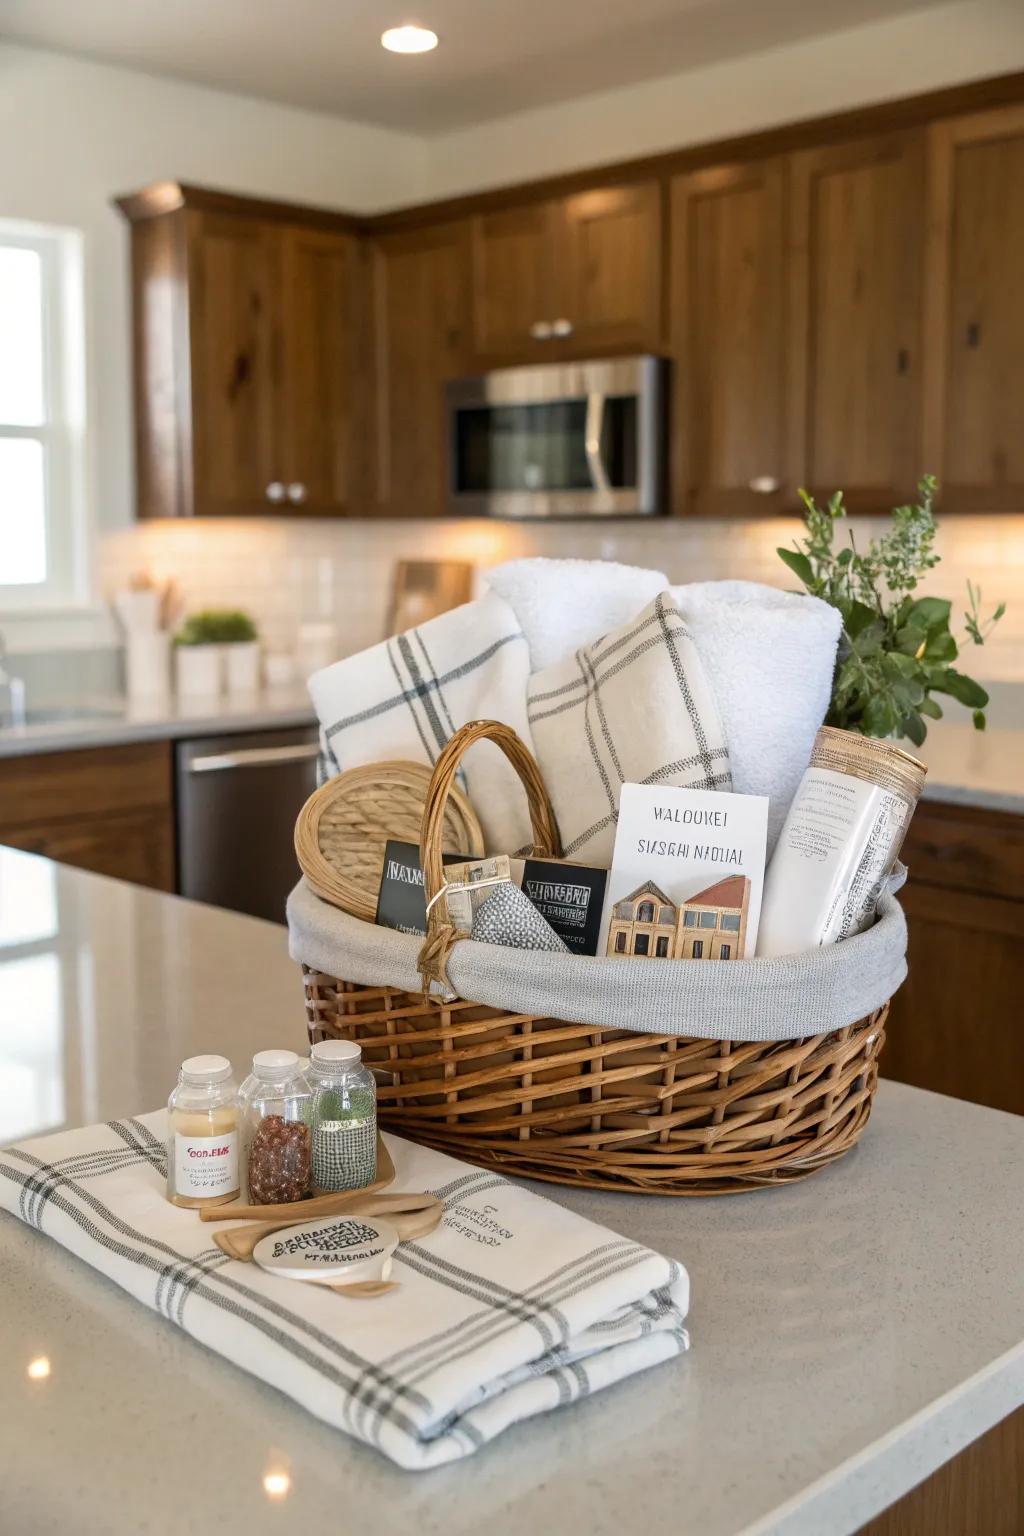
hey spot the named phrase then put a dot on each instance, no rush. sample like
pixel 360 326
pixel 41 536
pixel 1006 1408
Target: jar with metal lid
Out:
pixel 202 1133
pixel 275 1102
pixel 343 1117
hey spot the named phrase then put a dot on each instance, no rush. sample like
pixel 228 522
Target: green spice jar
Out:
pixel 342 1117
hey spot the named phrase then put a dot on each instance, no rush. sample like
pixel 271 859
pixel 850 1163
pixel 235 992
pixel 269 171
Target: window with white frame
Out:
pixel 42 530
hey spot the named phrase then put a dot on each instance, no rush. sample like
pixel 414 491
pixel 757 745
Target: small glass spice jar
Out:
pixel 275 1102
pixel 202 1134
pixel 343 1117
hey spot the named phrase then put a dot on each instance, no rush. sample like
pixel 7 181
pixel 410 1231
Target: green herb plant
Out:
pixel 216 626
pixel 895 650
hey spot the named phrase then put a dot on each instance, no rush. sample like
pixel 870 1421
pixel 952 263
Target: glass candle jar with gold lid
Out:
pixel 202 1134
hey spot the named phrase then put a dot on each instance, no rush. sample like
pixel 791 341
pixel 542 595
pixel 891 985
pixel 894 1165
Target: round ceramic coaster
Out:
pixel 339 1249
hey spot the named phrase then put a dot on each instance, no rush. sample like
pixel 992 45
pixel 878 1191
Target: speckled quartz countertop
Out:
pixel 849 1333
pixel 109 722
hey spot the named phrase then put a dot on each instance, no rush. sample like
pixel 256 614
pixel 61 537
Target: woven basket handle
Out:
pixel 441 935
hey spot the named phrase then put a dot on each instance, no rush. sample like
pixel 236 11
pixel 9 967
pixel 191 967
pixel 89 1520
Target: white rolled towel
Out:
pixel 769 656
pixel 406 696
pixel 565 604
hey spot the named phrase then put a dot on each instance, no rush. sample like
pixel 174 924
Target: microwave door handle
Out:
pixel 592 441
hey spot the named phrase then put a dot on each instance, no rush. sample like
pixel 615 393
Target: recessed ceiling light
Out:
pixel 408 39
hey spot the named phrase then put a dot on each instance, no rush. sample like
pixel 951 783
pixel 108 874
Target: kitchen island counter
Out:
pixel 850 1333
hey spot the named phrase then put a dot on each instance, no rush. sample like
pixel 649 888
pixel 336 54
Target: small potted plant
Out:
pixel 896 650
pixel 214 647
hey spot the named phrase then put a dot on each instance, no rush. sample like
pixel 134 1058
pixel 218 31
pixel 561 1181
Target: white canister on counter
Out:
pixel 317 645
pixel 839 842
pixel 199 670
pixel 242 666
pixel 147 661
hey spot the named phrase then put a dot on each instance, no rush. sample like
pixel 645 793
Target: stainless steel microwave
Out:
pixel 559 440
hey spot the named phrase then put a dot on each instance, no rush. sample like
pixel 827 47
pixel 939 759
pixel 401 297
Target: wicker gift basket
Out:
pixel 541 1096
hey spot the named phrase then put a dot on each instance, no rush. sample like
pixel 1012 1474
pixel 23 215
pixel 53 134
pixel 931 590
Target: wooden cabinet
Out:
pixel 954 1024
pixel 421 332
pixel 323 344
pixel 247 326
pixel 855 293
pixel 728 339
pixel 610 268
pixel 231 284
pixel 974 415
pixel 842 308
pixel 106 809
pixel 514 286
pixel 559 278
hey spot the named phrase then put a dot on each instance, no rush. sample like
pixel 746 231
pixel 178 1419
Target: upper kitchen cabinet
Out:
pixel 567 276
pixel 974 407
pixel 421 339
pixel 610 267
pixel 323 335
pixel 855 304
pixel 727 330
pixel 514 291
pixel 246 323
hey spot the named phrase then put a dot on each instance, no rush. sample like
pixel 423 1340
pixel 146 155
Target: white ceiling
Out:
pixel 495 56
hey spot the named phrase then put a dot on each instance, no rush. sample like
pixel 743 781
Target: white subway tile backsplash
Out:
pixel 283 571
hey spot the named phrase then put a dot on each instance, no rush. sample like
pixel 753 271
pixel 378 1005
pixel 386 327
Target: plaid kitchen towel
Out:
pixel 633 707
pixel 405 697
pixel 514 1305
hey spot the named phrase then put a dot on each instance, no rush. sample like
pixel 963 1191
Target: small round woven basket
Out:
pixel 573 1104
pixel 344 826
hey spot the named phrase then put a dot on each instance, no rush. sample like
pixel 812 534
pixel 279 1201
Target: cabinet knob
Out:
pixel 275 491
pixel 296 491
pixel 562 328
pixel 540 330
pixel 764 485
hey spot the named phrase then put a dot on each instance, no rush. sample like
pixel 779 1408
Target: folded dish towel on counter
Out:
pixel 513 1306
pixel 563 604
pixel 769 657
pixel 405 697
pixel 633 707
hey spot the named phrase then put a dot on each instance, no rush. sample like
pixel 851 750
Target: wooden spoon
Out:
pixel 363 1290
pixel 306 1210
pixel 412 1215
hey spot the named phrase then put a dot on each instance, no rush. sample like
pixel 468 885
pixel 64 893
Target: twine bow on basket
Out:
pixel 442 935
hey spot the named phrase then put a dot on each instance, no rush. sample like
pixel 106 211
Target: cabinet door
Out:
pixel 136 846
pixel 609 266
pixel 514 281
pixel 727 309
pixel 975 394
pixel 233 288
pixel 856 289
pixel 954 1023
pixel 421 309
pixel 320 326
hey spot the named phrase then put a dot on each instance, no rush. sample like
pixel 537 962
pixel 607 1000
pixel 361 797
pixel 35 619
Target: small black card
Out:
pixel 571 897
pixel 401 903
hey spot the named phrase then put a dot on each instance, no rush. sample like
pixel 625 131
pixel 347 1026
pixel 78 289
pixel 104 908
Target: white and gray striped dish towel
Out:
pixel 405 697
pixel 512 1306
pixel 634 707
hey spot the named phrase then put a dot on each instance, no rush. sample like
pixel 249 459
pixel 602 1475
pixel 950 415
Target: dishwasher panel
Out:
pixel 238 797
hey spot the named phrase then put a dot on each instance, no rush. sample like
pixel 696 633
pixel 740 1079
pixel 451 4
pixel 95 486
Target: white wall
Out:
pixel 74 134
pixel 881 61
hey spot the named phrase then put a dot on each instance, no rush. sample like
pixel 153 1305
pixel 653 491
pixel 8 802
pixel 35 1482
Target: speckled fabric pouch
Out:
pixel 510 918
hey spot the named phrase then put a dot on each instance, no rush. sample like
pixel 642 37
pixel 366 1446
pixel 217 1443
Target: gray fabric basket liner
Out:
pixel 781 999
